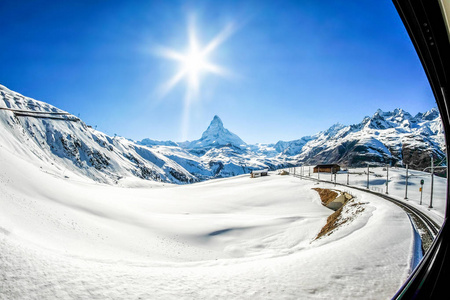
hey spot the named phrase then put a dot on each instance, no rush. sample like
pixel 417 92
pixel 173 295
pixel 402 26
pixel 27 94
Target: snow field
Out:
pixel 235 238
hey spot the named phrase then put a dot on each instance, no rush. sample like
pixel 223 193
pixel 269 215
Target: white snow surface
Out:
pixel 65 236
pixel 243 238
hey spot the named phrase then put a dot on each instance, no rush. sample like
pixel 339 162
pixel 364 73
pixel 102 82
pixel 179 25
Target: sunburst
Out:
pixel 194 63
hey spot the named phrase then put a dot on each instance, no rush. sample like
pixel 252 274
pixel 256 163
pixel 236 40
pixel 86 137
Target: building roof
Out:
pixel 327 166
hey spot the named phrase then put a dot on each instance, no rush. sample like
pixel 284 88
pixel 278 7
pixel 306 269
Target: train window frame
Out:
pixel 428 26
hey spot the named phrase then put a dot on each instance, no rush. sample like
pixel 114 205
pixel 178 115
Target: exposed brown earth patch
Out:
pixel 326 195
pixel 332 223
pixel 336 219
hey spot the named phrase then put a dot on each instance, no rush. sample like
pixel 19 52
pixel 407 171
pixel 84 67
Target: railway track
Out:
pixel 428 228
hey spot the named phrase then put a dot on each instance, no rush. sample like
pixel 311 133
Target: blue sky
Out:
pixel 297 67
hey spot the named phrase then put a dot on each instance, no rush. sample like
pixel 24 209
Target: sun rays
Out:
pixel 194 63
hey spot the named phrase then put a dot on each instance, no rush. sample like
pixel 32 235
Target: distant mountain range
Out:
pixel 394 138
pixel 44 134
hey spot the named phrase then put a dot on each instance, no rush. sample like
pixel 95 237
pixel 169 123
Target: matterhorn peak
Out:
pixel 216 119
pixel 216 135
pixel 216 122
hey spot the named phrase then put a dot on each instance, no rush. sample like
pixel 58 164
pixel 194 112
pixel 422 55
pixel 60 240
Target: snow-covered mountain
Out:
pixel 61 143
pixel 216 136
pixel 394 138
pixel 56 140
pixel 150 142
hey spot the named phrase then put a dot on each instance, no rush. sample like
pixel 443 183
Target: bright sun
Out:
pixel 194 62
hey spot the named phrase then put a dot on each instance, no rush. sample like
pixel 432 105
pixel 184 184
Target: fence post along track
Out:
pixel 406 183
pixel 432 183
pixel 368 172
pixel 387 179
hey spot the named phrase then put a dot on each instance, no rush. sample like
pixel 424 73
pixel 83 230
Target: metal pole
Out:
pixel 331 179
pixel 406 183
pixel 421 192
pixel 387 179
pixel 318 173
pixel 367 176
pixel 348 175
pixel 334 179
pixel 432 183
pixel 309 171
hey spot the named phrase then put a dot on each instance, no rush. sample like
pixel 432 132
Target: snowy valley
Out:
pixel 87 216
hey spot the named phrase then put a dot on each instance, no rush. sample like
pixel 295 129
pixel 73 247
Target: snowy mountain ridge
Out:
pixel 61 143
pixel 394 138
pixel 67 145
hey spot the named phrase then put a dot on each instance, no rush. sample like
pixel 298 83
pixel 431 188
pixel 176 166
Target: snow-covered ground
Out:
pixel 396 187
pixel 235 238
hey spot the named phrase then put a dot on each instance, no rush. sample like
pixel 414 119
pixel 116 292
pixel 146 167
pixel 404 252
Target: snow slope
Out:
pixel 238 237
